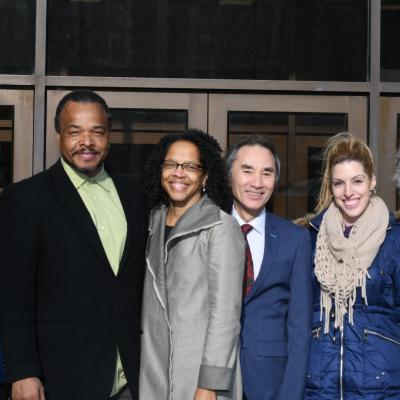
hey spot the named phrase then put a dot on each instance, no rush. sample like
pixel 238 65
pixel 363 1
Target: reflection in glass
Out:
pixel 390 41
pixel 17 33
pixel 299 139
pixel 6 145
pixel 262 39
pixel 135 132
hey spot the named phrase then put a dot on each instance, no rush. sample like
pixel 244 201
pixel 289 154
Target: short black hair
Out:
pixel 253 140
pixel 210 158
pixel 80 96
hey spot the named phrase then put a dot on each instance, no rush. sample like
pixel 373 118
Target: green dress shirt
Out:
pixel 102 201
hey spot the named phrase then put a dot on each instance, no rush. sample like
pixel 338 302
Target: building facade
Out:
pixel 298 71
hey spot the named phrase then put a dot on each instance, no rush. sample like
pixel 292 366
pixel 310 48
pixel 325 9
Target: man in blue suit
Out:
pixel 277 287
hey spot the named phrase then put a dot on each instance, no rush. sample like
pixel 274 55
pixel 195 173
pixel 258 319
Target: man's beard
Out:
pixel 85 171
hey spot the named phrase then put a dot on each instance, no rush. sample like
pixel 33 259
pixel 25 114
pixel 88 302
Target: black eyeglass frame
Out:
pixel 187 166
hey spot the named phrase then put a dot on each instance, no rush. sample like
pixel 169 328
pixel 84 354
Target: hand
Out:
pixel 205 394
pixel 27 389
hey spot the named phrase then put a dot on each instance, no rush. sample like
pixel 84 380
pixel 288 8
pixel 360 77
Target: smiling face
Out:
pixel 83 137
pixel 351 188
pixel 253 179
pixel 183 187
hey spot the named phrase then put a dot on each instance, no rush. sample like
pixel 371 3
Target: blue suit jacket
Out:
pixel 276 316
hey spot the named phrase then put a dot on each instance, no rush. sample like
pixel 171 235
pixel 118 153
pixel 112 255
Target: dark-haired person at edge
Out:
pixel 276 309
pixel 194 275
pixel 355 352
pixel 72 241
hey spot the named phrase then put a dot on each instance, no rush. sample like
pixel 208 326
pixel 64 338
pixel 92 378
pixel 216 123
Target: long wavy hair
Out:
pixel 210 157
pixel 342 147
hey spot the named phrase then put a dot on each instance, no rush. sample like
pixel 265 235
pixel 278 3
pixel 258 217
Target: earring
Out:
pixel 203 189
pixel 372 191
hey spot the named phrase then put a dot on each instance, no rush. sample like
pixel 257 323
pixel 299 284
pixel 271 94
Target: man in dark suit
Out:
pixel 277 287
pixel 72 244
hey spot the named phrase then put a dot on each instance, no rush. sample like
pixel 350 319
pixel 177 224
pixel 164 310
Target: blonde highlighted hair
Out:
pixel 339 148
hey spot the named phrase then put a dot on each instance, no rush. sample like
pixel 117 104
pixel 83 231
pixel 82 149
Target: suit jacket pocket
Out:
pixel 272 349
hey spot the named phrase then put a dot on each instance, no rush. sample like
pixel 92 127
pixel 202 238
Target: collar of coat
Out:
pixel 200 215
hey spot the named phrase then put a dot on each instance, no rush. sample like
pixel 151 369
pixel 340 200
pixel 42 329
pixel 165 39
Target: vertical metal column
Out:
pixel 40 89
pixel 375 72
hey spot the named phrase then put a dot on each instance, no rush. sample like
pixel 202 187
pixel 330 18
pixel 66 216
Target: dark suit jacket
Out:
pixel 276 316
pixel 63 311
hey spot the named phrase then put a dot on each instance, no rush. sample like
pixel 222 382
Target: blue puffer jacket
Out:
pixel 363 363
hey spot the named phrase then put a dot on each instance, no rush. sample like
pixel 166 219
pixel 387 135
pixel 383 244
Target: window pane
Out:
pixel 17 33
pixel 244 39
pixel 134 134
pixel 299 139
pixel 390 41
pixel 6 145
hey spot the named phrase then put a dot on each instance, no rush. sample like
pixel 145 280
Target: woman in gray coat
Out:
pixel 194 275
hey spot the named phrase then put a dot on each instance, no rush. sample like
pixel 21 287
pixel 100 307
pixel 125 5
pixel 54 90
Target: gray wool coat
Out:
pixel 191 305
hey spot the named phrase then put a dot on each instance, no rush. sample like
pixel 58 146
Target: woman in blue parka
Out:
pixel 355 352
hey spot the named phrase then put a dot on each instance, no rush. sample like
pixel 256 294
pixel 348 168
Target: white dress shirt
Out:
pixel 256 238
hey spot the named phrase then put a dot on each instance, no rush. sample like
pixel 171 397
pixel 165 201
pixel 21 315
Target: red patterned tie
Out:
pixel 248 278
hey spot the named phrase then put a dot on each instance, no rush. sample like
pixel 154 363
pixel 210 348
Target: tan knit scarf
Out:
pixel 341 264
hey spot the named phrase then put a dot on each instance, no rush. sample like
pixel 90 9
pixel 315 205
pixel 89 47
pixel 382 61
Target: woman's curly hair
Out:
pixel 210 158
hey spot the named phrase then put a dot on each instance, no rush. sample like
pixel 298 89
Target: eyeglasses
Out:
pixel 187 166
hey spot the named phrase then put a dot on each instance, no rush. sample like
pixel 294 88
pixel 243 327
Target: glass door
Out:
pixel 389 142
pixel 139 120
pixel 299 127
pixel 16 135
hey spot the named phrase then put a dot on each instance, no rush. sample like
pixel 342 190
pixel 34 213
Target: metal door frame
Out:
pixel 22 102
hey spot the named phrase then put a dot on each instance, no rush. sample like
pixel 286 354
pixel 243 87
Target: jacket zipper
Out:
pixel 316 332
pixel 341 364
pixel 368 332
pixel 158 295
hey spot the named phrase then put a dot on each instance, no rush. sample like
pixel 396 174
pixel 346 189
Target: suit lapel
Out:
pixel 69 198
pixel 123 193
pixel 270 248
